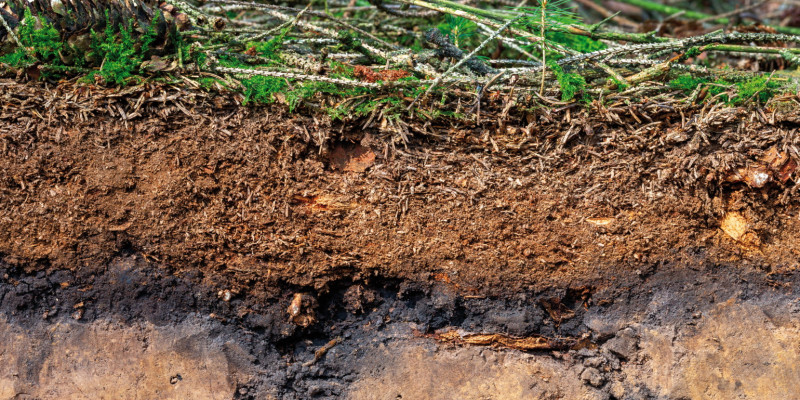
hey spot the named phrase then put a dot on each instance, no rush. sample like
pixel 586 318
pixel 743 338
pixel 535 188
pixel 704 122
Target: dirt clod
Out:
pixel 593 377
pixel 301 310
pixel 624 344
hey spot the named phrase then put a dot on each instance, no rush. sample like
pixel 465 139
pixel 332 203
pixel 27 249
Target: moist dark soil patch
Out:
pixel 153 203
pixel 364 317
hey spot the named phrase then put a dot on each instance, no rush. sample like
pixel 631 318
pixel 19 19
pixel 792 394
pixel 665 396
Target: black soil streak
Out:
pixel 365 313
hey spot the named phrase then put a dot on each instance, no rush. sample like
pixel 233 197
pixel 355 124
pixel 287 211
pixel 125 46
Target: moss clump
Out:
pixel 760 88
pixel 262 89
pixel 41 42
pixel 687 82
pixel 310 89
pixel 578 43
pixel 571 84
pixel 120 52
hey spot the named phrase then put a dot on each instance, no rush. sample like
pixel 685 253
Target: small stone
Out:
pixel 616 389
pixel 225 295
pixel 614 363
pixel 584 352
pixel 624 345
pixel 594 362
pixel 593 377
pixel 315 390
pixel 175 379
pixel 301 310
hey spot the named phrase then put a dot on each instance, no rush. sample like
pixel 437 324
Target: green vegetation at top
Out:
pixel 424 57
pixel 40 42
pixel 117 53
pixel 759 88
pixel 121 53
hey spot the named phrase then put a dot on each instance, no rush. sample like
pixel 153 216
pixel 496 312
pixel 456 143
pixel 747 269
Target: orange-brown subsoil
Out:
pixel 569 198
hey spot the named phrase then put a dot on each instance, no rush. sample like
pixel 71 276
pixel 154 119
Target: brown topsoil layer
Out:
pixel 253 196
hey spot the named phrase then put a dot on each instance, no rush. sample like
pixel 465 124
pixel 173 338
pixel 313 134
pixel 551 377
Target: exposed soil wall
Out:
pixel 644 251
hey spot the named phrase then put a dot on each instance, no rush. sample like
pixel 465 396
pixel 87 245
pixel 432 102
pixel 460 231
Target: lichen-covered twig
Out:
pixel 299 77
pixel 465 59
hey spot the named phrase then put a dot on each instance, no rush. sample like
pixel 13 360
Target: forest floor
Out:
pixel 631 250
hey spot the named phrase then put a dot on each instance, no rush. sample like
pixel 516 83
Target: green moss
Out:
pixel 363 105
pixel 262 89
pixel 256 89
pixel 120 52
pixel 311 89
pixel 687 82
pixel 759 88
pixel 578 43
pixel 269 49
pixel 571 84
pixel 41 41
pixel 116 52
pixel 209 83
pixel 17 58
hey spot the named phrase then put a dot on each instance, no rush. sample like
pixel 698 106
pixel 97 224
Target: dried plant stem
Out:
pixel 543 5
pixel 465 59
pixel 13 35
pixel 300 77
pixel 670 10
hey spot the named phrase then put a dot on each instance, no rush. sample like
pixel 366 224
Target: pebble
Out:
pixel 594 362
pixel 593 377
pixel 617 389
pixel 624 344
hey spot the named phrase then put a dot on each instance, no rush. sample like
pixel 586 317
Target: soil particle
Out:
pixel 624 344
pixel 592 376
pixel 358 299
pixel 617 390
pixel 594 362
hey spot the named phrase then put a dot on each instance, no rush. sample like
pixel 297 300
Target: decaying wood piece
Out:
pixel 528 343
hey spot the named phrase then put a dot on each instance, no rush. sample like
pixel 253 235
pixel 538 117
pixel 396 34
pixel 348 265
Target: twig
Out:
pixel 322 350
pixel 300 77
pixel 11 32
pixel 734 12
pixel 668 10
pixel 606 13
pixel 314 13
pixel 544 48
